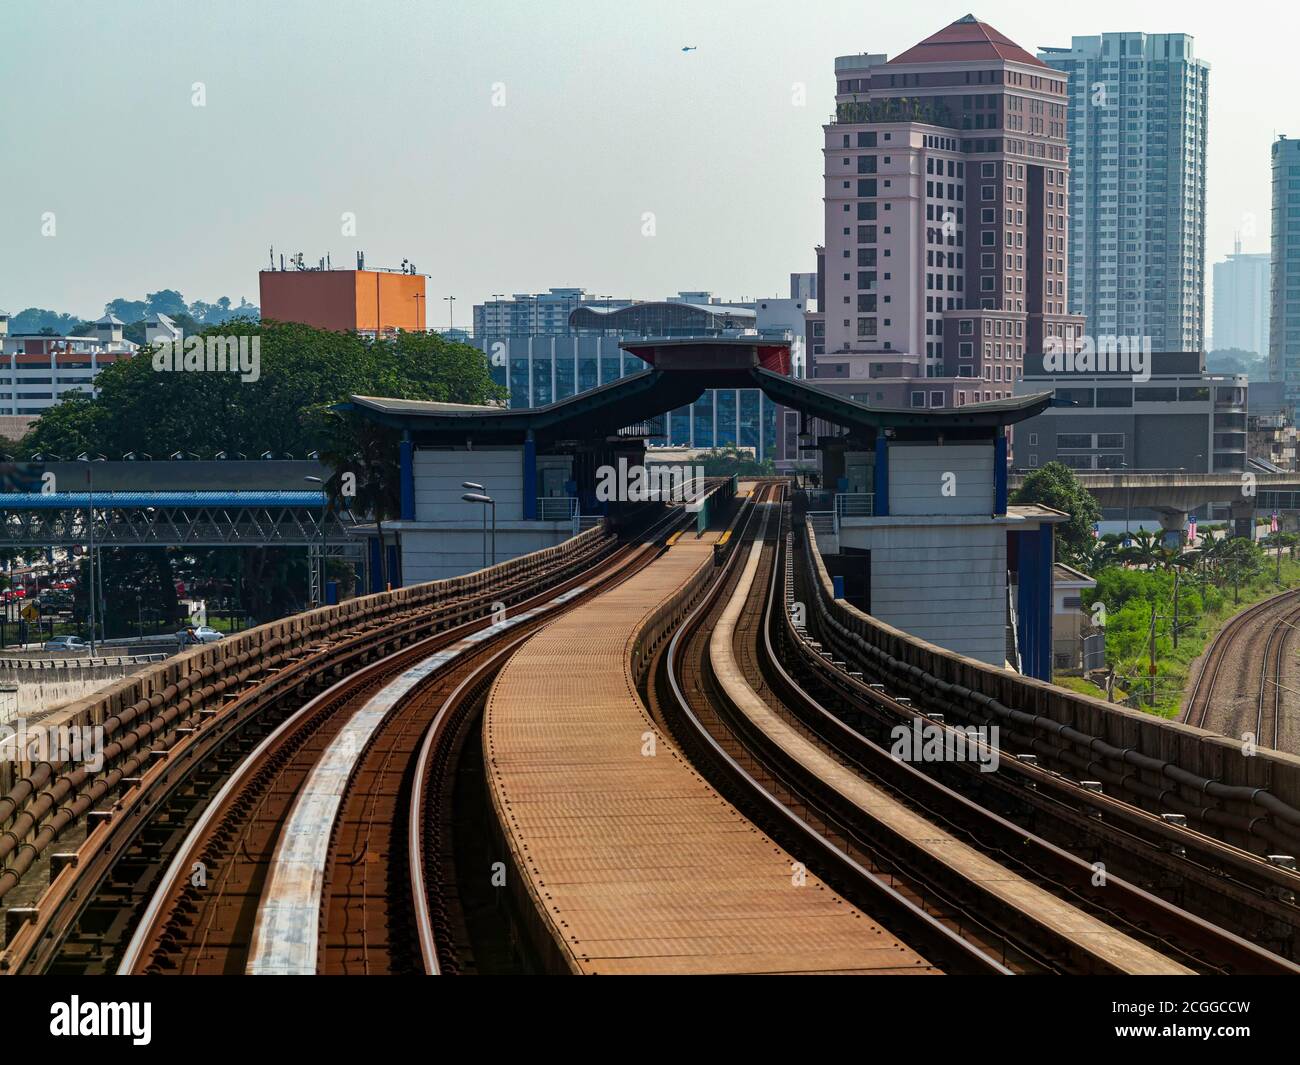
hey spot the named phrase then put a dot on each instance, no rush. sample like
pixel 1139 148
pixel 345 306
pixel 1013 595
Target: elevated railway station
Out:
pixel 668 743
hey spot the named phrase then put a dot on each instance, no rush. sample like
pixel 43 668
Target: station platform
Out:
pixel 633 862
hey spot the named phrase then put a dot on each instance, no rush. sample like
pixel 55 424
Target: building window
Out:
pixel 918 399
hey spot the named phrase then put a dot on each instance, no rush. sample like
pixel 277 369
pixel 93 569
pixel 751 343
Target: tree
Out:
pixel 168 302
pixel 1056 486
pixel 37 319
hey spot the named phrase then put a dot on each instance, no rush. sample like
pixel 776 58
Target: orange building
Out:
pixel 363 300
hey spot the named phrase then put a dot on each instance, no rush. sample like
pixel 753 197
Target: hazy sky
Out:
pixel 385 108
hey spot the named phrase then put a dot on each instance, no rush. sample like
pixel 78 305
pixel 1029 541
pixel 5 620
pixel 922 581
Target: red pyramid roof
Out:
pixel 965 40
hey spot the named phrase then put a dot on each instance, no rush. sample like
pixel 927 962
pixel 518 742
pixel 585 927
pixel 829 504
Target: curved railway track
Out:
pixel 1132 930
pixel 330 845
pixel 1240 687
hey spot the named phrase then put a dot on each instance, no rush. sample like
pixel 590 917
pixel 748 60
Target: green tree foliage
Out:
pixel 36 319
pixel 302 370
pixel 731 460
pixel 1056 486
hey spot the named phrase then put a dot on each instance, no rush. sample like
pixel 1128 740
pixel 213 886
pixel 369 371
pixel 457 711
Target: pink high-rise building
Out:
pixel 947 191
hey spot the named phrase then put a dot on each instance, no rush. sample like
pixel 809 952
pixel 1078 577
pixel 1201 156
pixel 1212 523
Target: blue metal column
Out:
pixel 1045 560
pixel 1000 472
pixel 530 477
pixel 1034 602
pixel 406 454
pixel 880 502
pixel 1026 574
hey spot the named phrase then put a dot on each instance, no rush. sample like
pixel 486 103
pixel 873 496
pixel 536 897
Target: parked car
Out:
pixel 67 644
pixel 199 634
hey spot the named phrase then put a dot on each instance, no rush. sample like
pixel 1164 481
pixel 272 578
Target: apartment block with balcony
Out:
pixel 1284 320
pixel 947 207
pixel 1138 107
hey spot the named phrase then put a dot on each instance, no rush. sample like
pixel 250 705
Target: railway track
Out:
pixel 1240 687
pixel 330 844
pixel 82 922
pixel 835 778
pixel 1244 894
pixel 676 692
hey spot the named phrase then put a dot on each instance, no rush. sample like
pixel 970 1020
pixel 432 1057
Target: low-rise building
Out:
pixel 37 369
pixel 1175 417
pixel 1070 621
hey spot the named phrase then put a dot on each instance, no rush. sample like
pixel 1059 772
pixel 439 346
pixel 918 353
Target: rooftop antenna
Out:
pixel 328 264
pixel 282 260
pixel 272 256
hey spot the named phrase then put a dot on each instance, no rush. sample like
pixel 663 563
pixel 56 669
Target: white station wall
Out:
pixel 945 584
pixel 439 474
pixel 917 477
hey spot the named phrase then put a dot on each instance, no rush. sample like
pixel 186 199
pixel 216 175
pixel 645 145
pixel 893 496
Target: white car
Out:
pixel 68 644
pixel 199 634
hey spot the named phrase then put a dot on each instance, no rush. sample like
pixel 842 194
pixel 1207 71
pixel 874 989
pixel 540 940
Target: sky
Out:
pixel 501 146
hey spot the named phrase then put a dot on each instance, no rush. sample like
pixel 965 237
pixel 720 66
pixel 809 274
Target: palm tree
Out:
pixel 1144 549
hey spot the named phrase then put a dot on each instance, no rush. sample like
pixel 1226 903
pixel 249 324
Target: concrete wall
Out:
pixel 945 584
pixel 42 685
pixel 916 479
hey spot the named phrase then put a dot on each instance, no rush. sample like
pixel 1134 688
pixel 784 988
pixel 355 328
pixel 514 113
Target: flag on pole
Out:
pixel 1273 525
pixel 1191 529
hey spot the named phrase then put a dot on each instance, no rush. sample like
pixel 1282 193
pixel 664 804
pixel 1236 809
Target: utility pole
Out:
pixel 1151 699
pixel 1177 570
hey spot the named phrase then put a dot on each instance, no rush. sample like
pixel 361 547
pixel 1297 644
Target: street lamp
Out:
pixel 1128 503
pixel 487 501
pixel 450 301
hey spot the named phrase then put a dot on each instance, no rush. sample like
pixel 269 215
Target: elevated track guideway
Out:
pixel 680 773
pixel 263 821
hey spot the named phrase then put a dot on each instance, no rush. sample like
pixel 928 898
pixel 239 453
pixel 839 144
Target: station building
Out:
pixel 913 518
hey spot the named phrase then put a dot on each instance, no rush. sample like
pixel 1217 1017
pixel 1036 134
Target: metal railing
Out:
pixel 556 508
pixel 822 521
pixel 852 505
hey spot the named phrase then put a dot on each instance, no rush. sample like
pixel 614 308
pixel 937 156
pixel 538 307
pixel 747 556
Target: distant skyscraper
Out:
pixel 1137 201
pixel 1284 323
pixel 946 177
pixel 1241 284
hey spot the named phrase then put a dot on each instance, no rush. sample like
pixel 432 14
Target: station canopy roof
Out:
pixel 681 370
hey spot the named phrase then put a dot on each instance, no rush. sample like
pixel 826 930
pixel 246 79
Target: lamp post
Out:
pixel 450 301
pixel 1128 502
pixel 487 501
